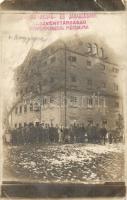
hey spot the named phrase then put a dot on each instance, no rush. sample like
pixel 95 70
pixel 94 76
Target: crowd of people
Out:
pixel 47 134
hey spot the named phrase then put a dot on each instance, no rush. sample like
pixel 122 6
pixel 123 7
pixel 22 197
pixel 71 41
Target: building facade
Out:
pixel 71 81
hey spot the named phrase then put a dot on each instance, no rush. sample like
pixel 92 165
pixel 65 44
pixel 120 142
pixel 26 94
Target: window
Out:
pixel 25 123
pixel 51 79
pixel 17 94
pixel 31 107
pixel 45 63
pixel 39 87
pixel 15 125
pixel 36 107
pixel 51 99
pixel 20 125
pixel 26 90
pixel 96 100
pixel 20 109
pixel 90 121
pixel 94 49
pixel 89 102
pixel 53 59
pixel 89 64
pixel 102 101
pixel 16 110
pixel 89 83
pixel 103 67
pixel 37 69
pixel 25 108
pixel 116 87
pixel 32 71
pixel 104 121
pixel 115 70
pixel 116 105
pixel 73 78
pixel 73 99
pixel 101 54
pixel 31 88
pixel 45 81
pixel 26 75
pixel 44 101
pixel 72 58
pixel 103 85
pixel 89 48
pixel 21 91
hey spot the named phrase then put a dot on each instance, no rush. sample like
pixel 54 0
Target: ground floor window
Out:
pixel 104 121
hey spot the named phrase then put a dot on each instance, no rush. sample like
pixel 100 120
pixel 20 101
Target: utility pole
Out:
pixel 65 85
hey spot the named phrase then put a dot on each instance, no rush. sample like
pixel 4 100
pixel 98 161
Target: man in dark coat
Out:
pixel 103 133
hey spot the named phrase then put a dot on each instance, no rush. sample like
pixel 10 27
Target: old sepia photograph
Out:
pixel 63 97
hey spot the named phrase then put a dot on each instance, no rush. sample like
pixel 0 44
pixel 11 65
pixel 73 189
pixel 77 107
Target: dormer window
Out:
pixel 115 70
pixel 89 48
pixel 94 49
pixel 101 53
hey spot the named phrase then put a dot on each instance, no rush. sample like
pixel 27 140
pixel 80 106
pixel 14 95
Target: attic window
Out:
pixel 94 49
pixel 101 53
pixel 89 48
pixel 115 70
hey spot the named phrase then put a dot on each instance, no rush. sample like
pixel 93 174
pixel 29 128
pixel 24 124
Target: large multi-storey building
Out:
pixel 96 5
pixel 74 80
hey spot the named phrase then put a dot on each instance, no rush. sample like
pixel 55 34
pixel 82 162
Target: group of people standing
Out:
pixel 48 134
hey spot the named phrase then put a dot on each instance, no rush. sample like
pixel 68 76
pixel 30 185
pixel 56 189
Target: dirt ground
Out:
pixel 65 163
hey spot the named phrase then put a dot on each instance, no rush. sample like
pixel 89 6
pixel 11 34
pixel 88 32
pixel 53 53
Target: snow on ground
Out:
pixel 66 163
